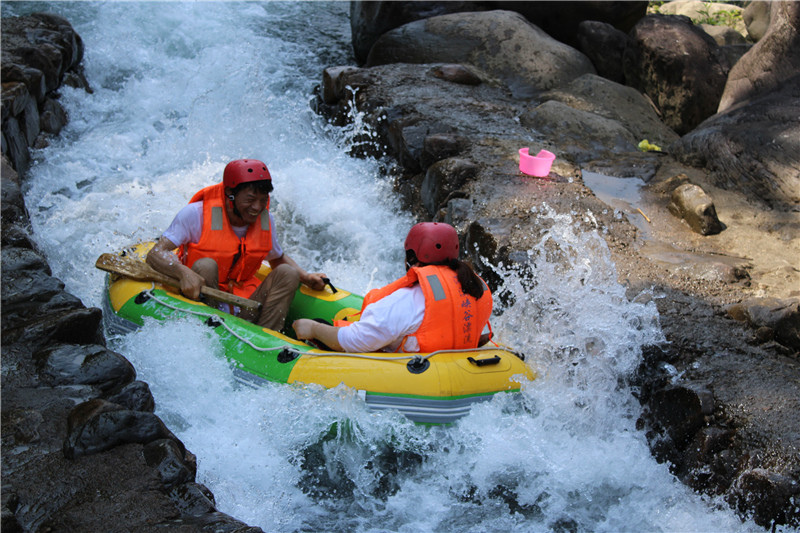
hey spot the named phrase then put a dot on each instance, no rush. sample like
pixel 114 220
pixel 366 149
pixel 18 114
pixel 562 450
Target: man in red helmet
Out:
pixel 440 304
pixel 223 235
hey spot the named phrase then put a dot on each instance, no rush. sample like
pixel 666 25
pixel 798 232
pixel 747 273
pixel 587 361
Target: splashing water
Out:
pixel 182 88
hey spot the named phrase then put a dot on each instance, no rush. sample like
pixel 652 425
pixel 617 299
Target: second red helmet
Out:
pixel 244 171
pixel 433 242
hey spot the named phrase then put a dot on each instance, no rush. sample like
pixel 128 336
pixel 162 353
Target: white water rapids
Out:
pixel 180 89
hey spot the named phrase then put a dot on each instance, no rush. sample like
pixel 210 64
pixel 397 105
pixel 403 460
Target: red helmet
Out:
pixel 244 171
pixel 433 242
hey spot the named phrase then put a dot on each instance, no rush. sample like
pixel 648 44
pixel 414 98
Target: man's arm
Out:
pixel 162 259
pixel 311 329
pixel 314 280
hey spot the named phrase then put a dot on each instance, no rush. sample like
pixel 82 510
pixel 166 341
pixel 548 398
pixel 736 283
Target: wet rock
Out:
pixel 680 411
pixel 708 448
pixel 53 117
pixel 169 461
pixel 775 319
pixel 25 289
pixel 15 145
pixel 13 210
pixel 33 78
pixel 15 98
pixel 212 522
pixel 406 137
pixel 769 493
pixel 98 425
pixel 678 66
pixel 501 44
pixel 194 499
pixel 16 259
pixel 332 89
pixel 642 165
pixel 135 396
pixel 38 51
pixel 441 146
pixel 691 203
pixel 485 242
pixel 85 365
pixel 443 179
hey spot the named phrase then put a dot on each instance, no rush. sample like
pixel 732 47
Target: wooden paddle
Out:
pixel 130 267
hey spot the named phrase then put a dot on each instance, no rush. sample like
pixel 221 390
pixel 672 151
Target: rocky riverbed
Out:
pixel 81 447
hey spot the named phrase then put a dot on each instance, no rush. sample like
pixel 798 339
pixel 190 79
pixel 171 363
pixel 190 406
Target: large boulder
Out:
pixel 752 148
pixel 679 66
pixel 371 19
pixel 616 102
pixel 756 19
pixel 772 61
pixel 501 44
pixel 751 144
pixel 604 45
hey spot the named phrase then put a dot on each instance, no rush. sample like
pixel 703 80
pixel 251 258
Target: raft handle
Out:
pixel 484 362
pixel 287 356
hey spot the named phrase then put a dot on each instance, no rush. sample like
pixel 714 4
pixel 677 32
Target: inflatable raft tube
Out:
pixel 428 388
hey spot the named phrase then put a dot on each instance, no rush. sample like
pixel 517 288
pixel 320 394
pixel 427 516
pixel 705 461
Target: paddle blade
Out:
pixel 130 267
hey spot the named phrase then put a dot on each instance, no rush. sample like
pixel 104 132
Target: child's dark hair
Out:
pixel 470 282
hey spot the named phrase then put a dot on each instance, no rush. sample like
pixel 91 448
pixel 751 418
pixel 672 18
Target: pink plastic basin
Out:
pixel 536 165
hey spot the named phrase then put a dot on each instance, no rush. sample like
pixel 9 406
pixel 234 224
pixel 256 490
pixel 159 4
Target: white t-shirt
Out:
pixel 187 226
pixel 386 322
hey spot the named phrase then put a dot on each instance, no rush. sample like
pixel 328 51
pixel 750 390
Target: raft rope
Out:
pixel 294 348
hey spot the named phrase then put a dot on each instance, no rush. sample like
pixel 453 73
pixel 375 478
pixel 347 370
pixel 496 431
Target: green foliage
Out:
pixel 720 18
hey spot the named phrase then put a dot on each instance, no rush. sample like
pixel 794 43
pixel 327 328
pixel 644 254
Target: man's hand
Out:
pixel 315 281
pixel 191 283
pixel 163 260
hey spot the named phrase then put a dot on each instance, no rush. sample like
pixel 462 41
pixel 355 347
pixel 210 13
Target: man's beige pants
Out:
pixel 275 293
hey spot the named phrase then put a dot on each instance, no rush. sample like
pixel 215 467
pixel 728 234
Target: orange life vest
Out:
pixel 452 319
pixel 238 259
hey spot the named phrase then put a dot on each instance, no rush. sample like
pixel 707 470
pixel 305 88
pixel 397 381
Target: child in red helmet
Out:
pixel 440 304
